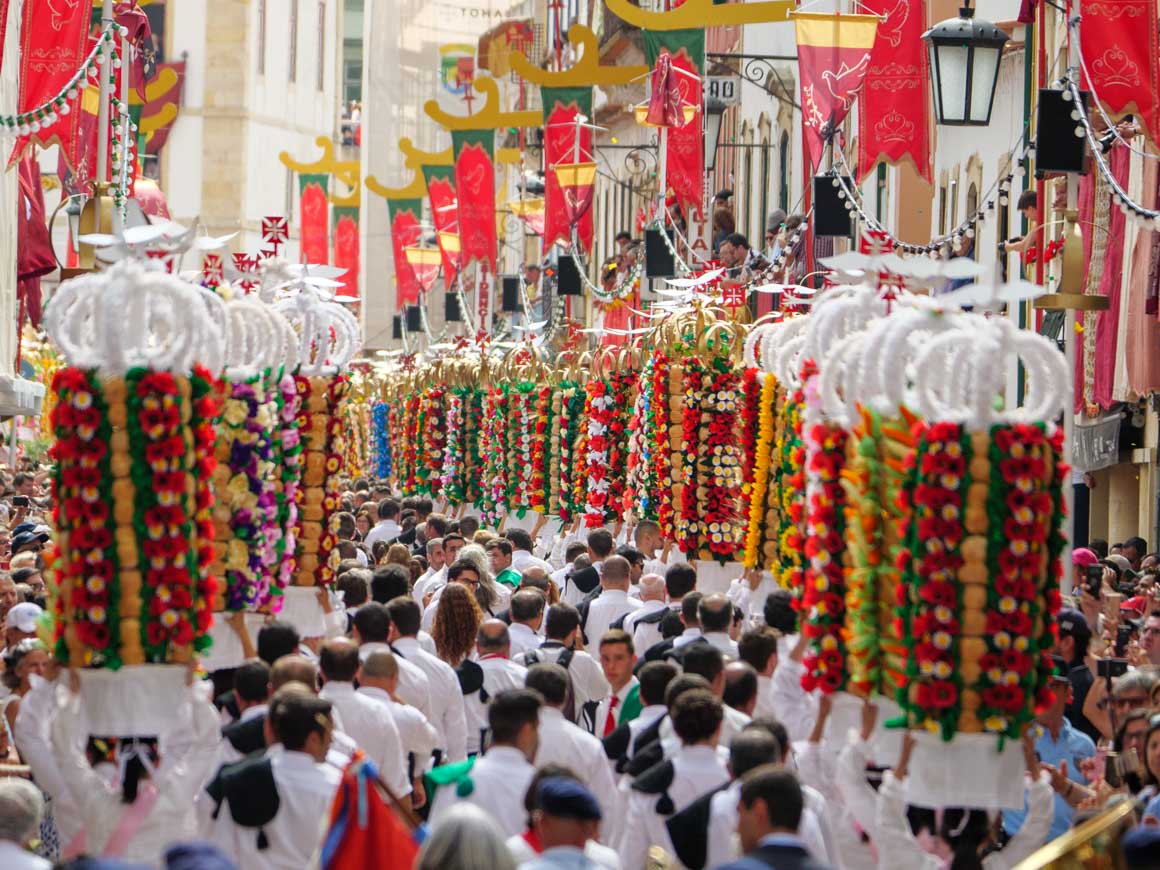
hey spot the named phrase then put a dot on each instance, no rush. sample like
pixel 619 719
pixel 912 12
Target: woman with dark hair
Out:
pixel 22 663
pixel 457 619
pixel 966 837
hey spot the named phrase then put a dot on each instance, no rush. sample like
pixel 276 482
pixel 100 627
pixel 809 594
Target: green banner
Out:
pixel 553 97
pixel 397 207
pixel 305 180
pixel 692 41
pixel 461 139
pixel 434 174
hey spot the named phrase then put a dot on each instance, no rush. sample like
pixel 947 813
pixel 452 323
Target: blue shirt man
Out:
pixel 1057 742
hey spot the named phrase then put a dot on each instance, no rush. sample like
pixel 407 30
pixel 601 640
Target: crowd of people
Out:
pixel 545 701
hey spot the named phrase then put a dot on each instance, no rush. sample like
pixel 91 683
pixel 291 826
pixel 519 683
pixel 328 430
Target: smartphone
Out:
pixel 1111 668
pixel 1123 635
pixel 1112 775
pixel 1095 579
pixel 1112 602
pixel 21 501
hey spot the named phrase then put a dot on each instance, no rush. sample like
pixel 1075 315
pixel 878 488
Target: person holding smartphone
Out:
pixel 1074 639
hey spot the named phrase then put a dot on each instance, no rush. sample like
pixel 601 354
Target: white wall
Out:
pixel 9 92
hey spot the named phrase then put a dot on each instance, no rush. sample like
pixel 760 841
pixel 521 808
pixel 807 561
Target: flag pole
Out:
pixel 103 111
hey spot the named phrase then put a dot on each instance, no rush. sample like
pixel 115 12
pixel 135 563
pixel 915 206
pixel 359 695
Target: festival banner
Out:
pixel 685 154
pixel 162 104
pixel 561 106
pixel 445 215
pixel 3 28
pixel 1118 44
pixel 54 41
pixel 833 59
pixel 313 208
pixel 346 244
pixel 475 188
pixel 893 120
pixel 405 231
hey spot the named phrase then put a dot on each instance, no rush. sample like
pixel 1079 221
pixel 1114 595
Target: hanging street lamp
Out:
pixel 714 113
pixel 964 64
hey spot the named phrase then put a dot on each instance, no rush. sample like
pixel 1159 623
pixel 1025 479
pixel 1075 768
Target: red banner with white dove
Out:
pixel 685 152
pixel 445 215
pixel 1118 44
pixel 346 249
pixel 405 232
pixel 561 106
pixel 54 41
pixel 893 122
pixel 314 218
pixel 833 60
pixel 475 190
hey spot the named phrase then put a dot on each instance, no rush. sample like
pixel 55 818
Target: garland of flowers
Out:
pixel 320 427
pixel 824 597
pixel 1020 512
pixel 451 480
pixel 579 482
pixel 494 449
pixel 622 386
pixel 431 429
pixel 176 609
pixel 600 410
pixel 288 459
pixel 473 436
pixel 380 426
pixel 572 402
pixel 559 415
pixel 761 472
pixel 358 442
pixel 408 473
pixel 687 522
pixel 85 556
pixel 662 454
pixel 205 392
pixel 636 492
pixel 521 426
pixel 542 441
pixel 719 471
pixel 931 596
pixel 751 389
pixel 791 494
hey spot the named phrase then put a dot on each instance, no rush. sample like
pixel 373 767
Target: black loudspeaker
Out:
pixel 511 293
pixel 831 218
pixel 414 319
pixel 568 276
pixel 451 312
pixel 658 258
pixel 397 327
pixel 1057 148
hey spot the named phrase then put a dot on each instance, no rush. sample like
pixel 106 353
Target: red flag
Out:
pixel 664 102
pixel 346 246
pixel 313 218
pixel 475 190
pixel 366 830
pixel 405 232
pixel 54 41
pixel 3 27
pixel 561 106
pixel 1118 42
pixel 445 216
pixel 163 103
pixel 892 116
pixel 833 59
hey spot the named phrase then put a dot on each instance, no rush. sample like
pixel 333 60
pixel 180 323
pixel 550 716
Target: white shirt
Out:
pixel 610 605
pixel 570 593
pixel 383 530
pixel 796 708
pixel 599 855
pixel 414 687
pixel 686 637
pixel 522 560
pixel 372 727
pixel 647 717
pixel 12 857
pixel 522 639
pixel 764 698
pixel 644 636
pixel 561 742
pixel 732 723
pixel 172 817
pixel 501 780
pixel 602 708
pixel 722 641
pixel 723 845
pixel 447 712
pixel 32 733
pixel 419 738
pixel 499 674
pixel 588 682
pixel 696 770
pixel 228 754
pixel 305 792
pixel 430 582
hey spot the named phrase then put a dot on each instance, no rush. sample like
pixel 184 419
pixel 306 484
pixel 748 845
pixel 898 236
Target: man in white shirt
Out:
pixel 705 659
pixel 769 815
pixel 300 730
pixel 522 556
pixel 500 673
pixel 498 781
pixel 574 551
pixel 387 528
pixel 363 718
pixel 620 746
pixel 672 785
pixel 562 628
pixel 435 560
pixel 583 581
pixel 617 658
pixel 758 647
pixel 715 613
pixel 372 631
pixel 565 744
pixel 526 609
pixel 658 555
pixel 378 679
pixel 613 601
pixel 248 733
pixel 447 713
pixel 644 624
pixel 21 808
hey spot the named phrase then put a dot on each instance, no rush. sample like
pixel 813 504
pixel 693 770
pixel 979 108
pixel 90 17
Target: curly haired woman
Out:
pixel 457 618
